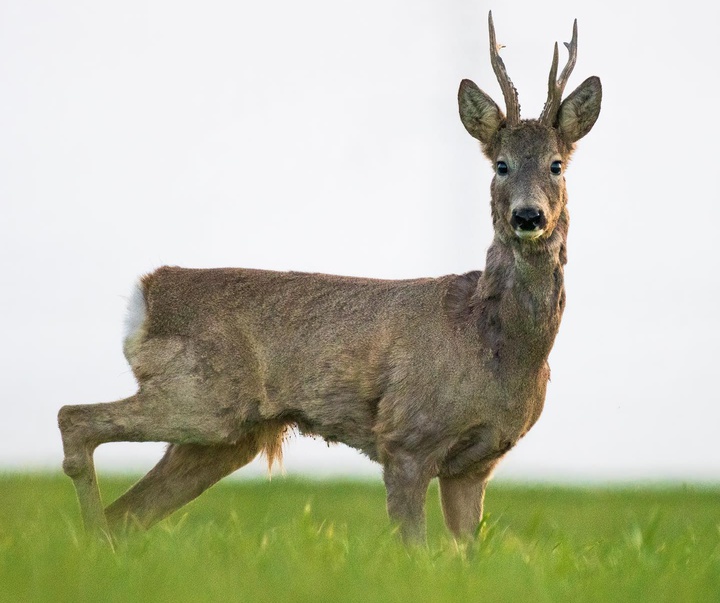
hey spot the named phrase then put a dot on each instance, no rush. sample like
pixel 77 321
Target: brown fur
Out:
pixel 435 377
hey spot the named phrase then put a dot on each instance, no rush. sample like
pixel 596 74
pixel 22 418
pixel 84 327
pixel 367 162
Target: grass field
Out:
pixel 289 540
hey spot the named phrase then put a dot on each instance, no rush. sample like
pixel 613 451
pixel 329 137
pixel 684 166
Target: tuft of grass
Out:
pixel 293 540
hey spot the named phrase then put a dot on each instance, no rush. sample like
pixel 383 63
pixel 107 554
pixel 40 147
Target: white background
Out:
pixel 324 136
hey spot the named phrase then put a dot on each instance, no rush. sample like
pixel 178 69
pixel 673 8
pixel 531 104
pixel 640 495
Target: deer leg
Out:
pixel 462 503
pixel 138 418
pixel 406 483
pixel 185 472
pixel 78 448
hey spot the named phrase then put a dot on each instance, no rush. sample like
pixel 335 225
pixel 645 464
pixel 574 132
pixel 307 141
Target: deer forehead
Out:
pixel 528 142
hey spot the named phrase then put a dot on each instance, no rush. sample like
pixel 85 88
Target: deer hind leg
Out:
pixel 185 472
pixel 139 418
pixel 80 437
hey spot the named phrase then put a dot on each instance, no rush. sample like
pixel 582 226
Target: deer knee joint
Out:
pixel 75 465
pixel 78 454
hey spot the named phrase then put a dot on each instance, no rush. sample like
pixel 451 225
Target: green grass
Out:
pixel 289 540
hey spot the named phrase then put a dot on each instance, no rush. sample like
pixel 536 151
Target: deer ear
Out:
pixel 579 111
pixel 478 112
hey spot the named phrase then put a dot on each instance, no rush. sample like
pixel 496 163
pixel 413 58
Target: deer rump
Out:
pixel 378 365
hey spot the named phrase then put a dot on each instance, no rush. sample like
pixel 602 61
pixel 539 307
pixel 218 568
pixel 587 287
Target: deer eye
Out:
pixel 556 167
pixel 502 168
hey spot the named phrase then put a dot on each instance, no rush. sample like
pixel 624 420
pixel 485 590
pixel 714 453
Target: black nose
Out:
pixel 528 219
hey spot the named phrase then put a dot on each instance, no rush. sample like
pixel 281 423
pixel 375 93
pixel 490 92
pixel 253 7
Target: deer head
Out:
pixel 528 189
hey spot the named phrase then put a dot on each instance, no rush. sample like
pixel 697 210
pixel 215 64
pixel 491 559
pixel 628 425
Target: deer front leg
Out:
pixel 462 503
pixel 406 483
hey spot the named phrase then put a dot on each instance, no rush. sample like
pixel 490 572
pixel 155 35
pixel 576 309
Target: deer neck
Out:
pixel 519 299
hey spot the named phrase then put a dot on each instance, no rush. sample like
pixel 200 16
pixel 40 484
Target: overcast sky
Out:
pixel 324 136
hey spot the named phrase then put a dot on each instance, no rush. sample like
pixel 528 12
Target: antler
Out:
pixel 506 85
pixel 556 88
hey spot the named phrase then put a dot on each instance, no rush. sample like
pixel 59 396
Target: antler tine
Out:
pixel 556 87
pixel 553 71
pixel 572 59
pixel 508 89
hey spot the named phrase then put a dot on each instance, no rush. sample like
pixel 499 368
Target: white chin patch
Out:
pixel 529 235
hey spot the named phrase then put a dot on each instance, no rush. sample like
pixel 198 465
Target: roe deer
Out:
pixel 433 377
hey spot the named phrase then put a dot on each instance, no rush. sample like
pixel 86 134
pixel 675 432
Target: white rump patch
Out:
pixel 136 312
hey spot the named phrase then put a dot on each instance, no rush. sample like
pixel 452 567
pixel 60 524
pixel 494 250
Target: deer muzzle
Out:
pixel 528 222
